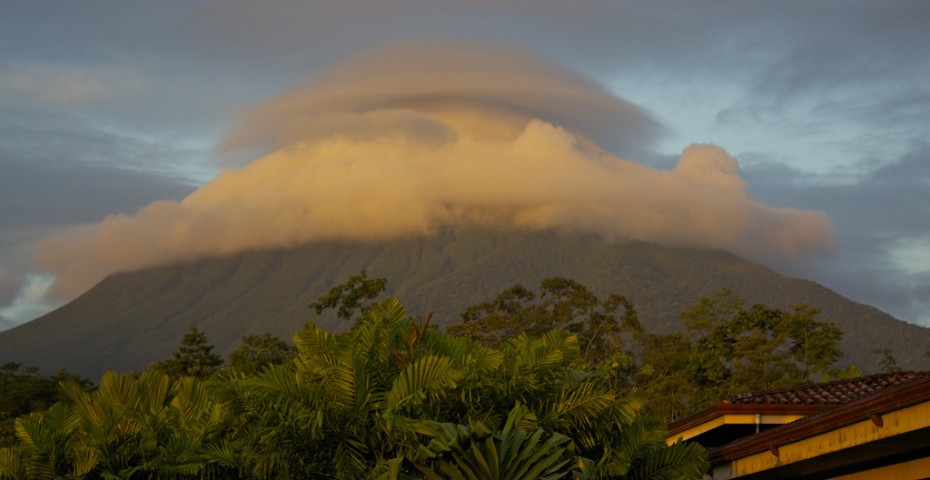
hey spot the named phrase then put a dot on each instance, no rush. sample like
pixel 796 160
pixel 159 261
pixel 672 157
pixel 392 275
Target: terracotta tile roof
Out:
pixel 909 388
pixel 837 392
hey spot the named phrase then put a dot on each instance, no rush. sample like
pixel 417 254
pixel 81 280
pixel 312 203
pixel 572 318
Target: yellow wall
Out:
pixel 894 423
pixel 913 470
pixel 749 419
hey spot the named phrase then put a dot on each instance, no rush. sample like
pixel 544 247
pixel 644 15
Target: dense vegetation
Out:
pixel 727 348
pixel 24 390
pixel 550 384
pixel 392 398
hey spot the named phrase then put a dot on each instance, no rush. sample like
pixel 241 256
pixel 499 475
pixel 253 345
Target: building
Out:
pixel 870 427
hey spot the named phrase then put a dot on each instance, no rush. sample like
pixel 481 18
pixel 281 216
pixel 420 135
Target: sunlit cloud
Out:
pixel 414 138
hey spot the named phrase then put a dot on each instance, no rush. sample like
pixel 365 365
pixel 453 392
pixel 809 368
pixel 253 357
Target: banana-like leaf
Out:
pixel 476 453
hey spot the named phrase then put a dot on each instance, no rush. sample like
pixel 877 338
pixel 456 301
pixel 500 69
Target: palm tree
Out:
pixel 340 408
pixel 392 398
pixel 357 402
pixel 130 427
pixel 47 447
pixel 475 452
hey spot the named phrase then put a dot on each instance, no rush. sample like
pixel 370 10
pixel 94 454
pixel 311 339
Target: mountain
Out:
pixel 131 319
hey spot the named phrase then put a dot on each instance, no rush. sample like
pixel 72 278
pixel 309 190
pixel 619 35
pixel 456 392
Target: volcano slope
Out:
pixel 133 318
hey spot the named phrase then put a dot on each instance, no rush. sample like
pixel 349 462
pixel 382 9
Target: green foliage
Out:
pixel 728 349
pixel 350 296
pixel 887 360
pixel 759 348
pixel 45 447
pixel 130 427
pixel 370 399
pixel 457 452
pixel 561 304
pixel 391 398
pixel 25 390
pixel 194 358
pixel 258 352
pixel 681 460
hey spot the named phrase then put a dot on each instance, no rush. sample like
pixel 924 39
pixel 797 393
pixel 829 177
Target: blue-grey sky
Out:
pixel 108 106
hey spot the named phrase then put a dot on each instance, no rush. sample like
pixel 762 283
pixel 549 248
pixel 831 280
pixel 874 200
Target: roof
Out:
pixel 908 388
pixel 798 401
pixel 837 392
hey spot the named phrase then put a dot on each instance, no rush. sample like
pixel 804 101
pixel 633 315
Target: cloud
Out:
pixel 413 88
pixel 413 138
pixel 61 85
pixel 80 193
pixel 64 174
pixel 880 215
pixel 29 302
pixel 9 285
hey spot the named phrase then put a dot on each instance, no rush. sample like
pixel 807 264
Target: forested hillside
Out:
pixel 131 319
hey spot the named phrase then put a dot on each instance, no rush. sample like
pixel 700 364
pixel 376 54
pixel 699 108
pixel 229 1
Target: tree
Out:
pixel 728 349
pixel 362 401
pixel 815 345
pixel 25 390
pixel 887 361
pixel 760 347
pixel 475 451
pixel 561 304
pixel 391 398
pixel 258 352
pixel 131 427
pixel 350 296
pixel 194 358
pixel 47 447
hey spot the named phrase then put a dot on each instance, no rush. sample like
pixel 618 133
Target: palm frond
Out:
pixel 678 461
pixel 421 378
pixel 11 465
pixel 474 452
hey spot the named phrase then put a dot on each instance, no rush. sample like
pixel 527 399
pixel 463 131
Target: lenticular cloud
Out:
pixel 409 139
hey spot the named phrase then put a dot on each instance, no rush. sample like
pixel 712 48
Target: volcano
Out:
pixel 133 318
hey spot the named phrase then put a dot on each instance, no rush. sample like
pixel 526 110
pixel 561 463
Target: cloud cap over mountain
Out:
pixel 414 137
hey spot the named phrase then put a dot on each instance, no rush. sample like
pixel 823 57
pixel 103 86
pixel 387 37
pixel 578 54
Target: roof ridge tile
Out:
pixel 835 392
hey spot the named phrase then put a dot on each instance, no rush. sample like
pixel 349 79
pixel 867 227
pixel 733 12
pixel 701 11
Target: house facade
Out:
pixel 872 427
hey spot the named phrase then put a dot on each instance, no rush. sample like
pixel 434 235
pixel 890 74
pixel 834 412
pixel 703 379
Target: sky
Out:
pixel 794 134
